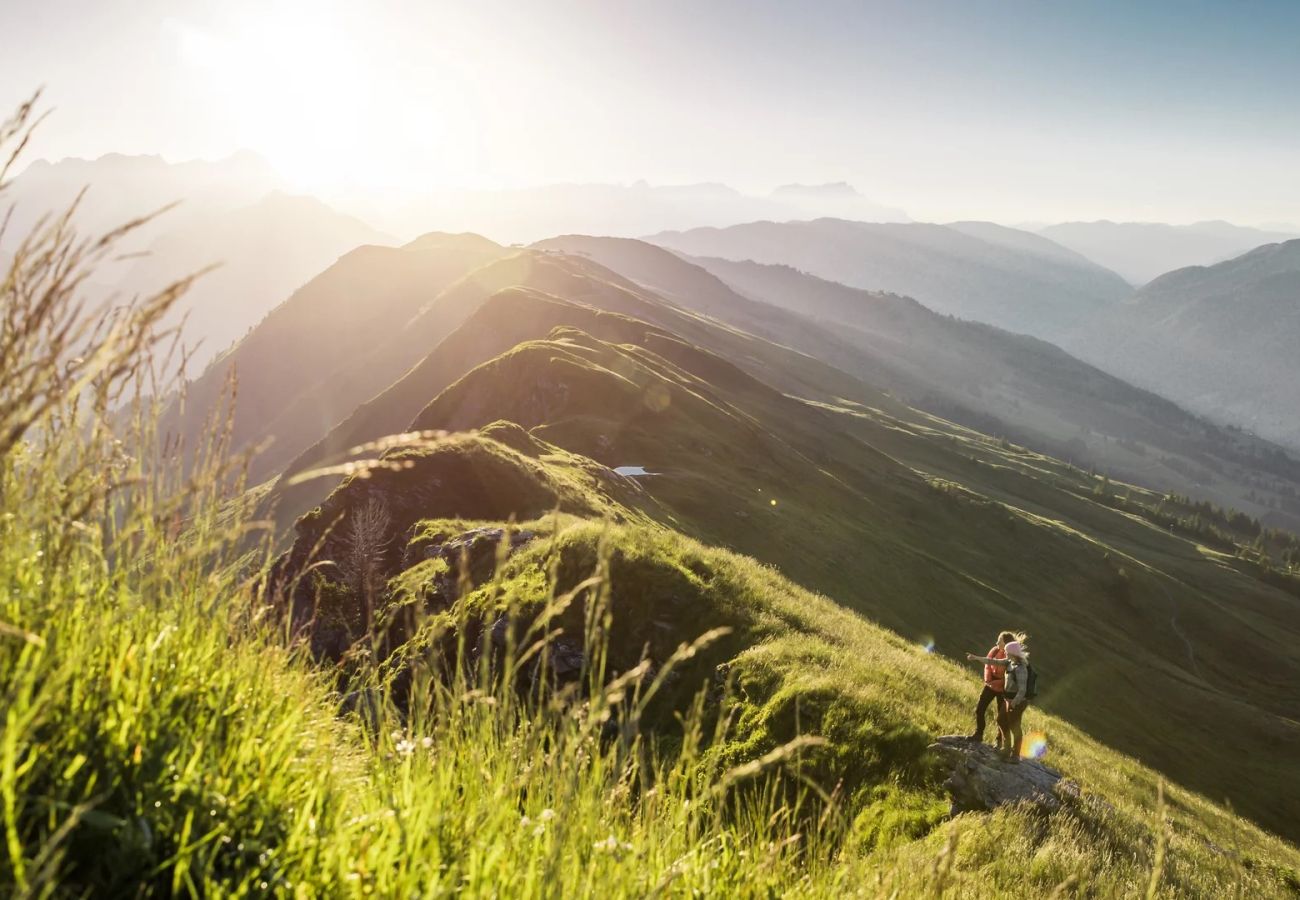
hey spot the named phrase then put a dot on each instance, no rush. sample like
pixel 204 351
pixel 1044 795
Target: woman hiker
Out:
pixel 994 681
pixel 1014 691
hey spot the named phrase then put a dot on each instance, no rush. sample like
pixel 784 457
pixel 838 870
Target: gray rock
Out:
pixel 564 655
pixel 982 779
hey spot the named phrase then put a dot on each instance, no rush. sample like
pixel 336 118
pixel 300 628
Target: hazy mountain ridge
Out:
pixel 290 364
pixel 972 270
pixel 262 253
pixel 229 219
pixel 119 188
pixel 626 210
pixel 1222 339
pixel 1141 251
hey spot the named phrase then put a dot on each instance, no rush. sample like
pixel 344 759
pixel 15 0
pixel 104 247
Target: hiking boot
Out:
pixel 975 738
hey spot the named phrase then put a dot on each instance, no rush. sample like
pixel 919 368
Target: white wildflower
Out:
pixel 547 814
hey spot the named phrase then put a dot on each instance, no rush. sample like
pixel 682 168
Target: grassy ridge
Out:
pixel 164 741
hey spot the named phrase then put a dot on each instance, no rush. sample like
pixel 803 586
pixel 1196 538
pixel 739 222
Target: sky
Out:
pixel 1009 111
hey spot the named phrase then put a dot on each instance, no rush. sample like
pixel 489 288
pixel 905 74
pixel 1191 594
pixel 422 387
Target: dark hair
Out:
pixel 1006 637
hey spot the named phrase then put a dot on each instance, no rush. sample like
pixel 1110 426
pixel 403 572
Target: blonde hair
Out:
pixel 1019 637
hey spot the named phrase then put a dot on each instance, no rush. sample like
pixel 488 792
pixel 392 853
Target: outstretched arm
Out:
pixel 987 660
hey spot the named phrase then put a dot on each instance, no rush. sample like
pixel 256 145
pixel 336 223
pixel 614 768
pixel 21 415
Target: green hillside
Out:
pixel 965 532
pixel 996 382
pixel 492 319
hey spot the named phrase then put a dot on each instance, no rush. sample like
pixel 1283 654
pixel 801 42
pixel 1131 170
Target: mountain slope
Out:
pixel 595 299
pixel 961 535
pixel 263 253
pixel 970 270
pixel 1140 251
pixel 286 366
pixel 118 188
pixel 1221 339
pixel 988 379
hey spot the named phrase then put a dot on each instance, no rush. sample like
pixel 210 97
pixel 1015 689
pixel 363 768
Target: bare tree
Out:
pixel 365 540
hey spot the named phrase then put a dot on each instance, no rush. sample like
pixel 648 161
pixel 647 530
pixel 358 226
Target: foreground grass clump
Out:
pixel 155 744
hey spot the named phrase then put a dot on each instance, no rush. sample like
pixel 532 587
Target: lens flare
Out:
pixel 1035 745
pixel 657 398
pixel 927 644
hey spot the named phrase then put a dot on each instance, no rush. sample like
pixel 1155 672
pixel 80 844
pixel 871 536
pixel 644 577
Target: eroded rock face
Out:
pixel 331 608
pixel 982 779
pixel 478 547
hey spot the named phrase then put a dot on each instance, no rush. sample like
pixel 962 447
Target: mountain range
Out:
pixel 229 219
pixel 973 270
pixel 117 188
pixel 1221 339
pixel 1140 251
pixel 626 210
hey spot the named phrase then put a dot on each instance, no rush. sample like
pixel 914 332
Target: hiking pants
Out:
pixel 1013 725
pixel 987 696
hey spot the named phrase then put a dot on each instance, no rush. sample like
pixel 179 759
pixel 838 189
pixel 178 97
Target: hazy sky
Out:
pixel 1012 111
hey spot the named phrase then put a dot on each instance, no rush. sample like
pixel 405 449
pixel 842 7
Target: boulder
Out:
pixel 982 779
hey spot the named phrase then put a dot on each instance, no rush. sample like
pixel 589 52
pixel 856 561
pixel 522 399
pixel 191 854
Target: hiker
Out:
pixel 994 681
pixel 1015 691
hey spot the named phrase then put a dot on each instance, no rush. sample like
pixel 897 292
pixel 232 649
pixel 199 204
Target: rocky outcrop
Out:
pixel 982 779
pixel 477 549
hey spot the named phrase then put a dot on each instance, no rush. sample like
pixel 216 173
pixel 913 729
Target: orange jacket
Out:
pixel 996 676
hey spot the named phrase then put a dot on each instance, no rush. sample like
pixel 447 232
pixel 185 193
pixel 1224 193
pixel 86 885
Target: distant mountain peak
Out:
pixel 830 189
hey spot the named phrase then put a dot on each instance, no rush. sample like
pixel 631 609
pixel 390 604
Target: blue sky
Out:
pixel 1012 111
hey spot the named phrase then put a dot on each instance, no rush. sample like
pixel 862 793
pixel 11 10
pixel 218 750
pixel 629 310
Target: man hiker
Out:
pixel 994 684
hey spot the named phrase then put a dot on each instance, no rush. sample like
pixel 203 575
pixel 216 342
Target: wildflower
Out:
pixel 612 845
pixel 426 742
pixel 540 829
pixel 547 814
pixel 405 747
pixel 524 822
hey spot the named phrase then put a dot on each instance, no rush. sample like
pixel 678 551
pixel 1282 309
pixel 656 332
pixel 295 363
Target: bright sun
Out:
pixel 293 87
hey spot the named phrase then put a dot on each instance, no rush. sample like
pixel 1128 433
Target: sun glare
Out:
pixel 299 91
